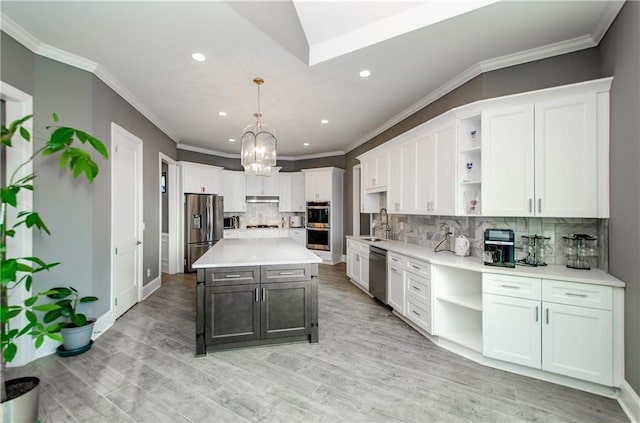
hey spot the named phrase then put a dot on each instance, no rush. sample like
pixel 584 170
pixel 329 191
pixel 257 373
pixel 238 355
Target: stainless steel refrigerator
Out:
pixel 204 215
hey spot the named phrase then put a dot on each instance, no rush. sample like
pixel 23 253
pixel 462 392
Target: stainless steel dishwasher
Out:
pixel 378 273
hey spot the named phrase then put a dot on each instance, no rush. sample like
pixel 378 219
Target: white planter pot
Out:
pixel 77 337
pixel 23 408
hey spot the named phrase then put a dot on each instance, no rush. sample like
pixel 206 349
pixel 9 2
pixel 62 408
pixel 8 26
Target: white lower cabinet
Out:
pixel 512 329
pixel 396 287
pixel 577 342
pixel 409 289
pixel 571 336
pixel 358 263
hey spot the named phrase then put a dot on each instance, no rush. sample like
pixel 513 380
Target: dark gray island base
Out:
pixel 241 306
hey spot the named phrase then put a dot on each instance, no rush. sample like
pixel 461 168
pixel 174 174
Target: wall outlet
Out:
pixel 148 272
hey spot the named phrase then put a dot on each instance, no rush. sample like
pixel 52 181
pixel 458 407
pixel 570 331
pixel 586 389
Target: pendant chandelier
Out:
pixel 258 144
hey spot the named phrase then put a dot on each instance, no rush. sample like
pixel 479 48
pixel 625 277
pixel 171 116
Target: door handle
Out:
pixel 264 293
pixel 285 273
pixel 138 242
pixel 536 313
pixel 232 276
pixel 539 205
pixel 530 205
pixel 547 315
pixel 256 295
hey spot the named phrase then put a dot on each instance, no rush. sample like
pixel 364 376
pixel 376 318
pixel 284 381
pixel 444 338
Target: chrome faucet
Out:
pixel 385 224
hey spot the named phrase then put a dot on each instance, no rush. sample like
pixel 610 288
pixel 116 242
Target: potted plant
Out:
pixel 76 332
pixel 19 397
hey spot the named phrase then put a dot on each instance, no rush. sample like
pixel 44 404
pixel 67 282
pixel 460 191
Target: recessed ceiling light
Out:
pixel 306 144
pixel 198 57
pixel 324 121
pixel 232 140
pixel 365 73
pixel 222 113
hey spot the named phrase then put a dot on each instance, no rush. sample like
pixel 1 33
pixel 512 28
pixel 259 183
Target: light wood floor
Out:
pixel 368 367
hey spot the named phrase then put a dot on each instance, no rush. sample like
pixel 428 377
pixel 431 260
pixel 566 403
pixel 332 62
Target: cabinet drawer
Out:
pixel 418 312
pixel 396 259
pixel 578 294
pixel 512 286
pixel 419 287
pixel 232 275
pixel 286 273
pixel 420 267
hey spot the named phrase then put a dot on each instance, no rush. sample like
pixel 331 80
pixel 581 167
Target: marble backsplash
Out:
pixel 264 214
pixel 427 231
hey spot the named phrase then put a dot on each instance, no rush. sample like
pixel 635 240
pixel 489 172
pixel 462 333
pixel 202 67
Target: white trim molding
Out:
pixel 62 56
pixel 629 401
pixel 150 288
pixel 187 147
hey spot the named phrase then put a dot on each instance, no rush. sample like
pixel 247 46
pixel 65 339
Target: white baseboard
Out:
pixel 629 401
pixel 103 323
pixel 151 287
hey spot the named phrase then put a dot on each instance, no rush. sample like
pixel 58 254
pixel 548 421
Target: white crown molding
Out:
pixel 629 401
pixel 531 55
pixel 538 53
pixel 611 10
pixel 182 146
pixel 453 83
pixel 18 33
pixel 50 52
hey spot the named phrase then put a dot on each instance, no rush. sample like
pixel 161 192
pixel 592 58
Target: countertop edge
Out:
pixel 559 272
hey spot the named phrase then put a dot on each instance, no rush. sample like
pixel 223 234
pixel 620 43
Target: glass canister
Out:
pixel 581 250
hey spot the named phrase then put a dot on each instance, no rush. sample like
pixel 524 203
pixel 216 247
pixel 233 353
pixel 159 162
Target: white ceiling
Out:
pixel 143 51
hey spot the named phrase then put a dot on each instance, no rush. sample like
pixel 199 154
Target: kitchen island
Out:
pixel 254 292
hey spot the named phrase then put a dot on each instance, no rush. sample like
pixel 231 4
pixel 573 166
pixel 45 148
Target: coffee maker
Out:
pixel 499 248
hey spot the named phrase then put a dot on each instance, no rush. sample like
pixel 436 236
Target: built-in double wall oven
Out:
pixel 318 226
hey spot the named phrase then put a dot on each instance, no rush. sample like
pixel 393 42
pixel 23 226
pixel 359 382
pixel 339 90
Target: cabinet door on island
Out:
pixel 286 309
pixel 235 313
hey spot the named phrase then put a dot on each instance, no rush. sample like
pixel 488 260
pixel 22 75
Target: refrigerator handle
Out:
pixel 209 220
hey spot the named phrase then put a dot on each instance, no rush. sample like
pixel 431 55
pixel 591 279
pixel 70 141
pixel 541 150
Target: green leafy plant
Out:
pixel 16 272
pixel 68 301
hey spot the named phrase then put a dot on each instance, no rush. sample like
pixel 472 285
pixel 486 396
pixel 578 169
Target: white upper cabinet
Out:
pixel 566 157
pixel 292 192
pixel 317 185
pixel 264 185
pixel 200 179
pixel 375 168
pixel 232 188
pixel 547 158
pixel 508 162
pixel 435 171
pixel 298 202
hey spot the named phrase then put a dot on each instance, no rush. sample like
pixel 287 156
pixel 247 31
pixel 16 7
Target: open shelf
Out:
pixel 457 313
pixel 472 301
pixel 469 163
pixel 470 150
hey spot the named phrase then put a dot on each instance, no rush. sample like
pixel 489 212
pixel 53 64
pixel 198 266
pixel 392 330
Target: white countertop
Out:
pixel 552 271
pixel 255 252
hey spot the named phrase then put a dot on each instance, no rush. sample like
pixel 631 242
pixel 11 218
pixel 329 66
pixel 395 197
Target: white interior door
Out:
pixel 127 218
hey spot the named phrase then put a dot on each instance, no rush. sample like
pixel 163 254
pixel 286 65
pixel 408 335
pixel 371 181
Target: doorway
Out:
pixel 18 104
pixel 169 217
pixel 126 174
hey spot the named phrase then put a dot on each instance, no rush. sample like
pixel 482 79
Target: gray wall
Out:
pixel 79 215
pixel 621 58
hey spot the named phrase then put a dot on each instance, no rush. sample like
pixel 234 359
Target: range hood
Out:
pixel 263 199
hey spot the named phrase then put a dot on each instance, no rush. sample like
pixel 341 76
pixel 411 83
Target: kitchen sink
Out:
pixel 371 239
